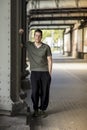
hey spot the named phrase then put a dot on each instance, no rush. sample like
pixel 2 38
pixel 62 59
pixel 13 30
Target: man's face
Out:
pixel 37 37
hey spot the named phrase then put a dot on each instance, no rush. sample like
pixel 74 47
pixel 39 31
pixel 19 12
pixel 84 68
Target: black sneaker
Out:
pixel 35 114
pixel 43 114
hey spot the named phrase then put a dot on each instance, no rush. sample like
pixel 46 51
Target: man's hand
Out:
pixel 21 31
pixel 49 58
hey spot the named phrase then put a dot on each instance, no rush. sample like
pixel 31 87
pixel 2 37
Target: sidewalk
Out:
pixel 8 122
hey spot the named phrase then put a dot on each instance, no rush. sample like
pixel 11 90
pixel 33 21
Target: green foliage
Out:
pixel 56 34
pixel 46 33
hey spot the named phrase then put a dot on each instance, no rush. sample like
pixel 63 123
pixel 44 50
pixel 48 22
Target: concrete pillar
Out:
pixel 74 43
pixel 80 44
pixel 67 44
pixel 85 42
pixel 5 55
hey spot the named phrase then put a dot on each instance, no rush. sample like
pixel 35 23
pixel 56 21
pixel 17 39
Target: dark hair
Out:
pixel 38 30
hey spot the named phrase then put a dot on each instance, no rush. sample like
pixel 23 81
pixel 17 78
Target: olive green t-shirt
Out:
pixel 38 56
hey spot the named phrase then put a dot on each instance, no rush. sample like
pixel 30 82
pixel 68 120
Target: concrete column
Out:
pixel 67 43
pixel 74 43
pixel 5 55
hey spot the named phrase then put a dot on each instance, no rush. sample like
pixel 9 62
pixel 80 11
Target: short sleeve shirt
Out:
pixel 38 56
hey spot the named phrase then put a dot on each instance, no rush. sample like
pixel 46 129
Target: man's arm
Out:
pixel 49 58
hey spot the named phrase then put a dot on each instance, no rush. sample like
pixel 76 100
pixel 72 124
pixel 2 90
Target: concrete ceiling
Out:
pixel 56 13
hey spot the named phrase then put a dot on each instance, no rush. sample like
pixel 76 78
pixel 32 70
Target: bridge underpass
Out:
pixel 67 108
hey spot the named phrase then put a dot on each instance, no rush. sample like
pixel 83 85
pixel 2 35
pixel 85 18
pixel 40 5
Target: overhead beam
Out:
pixel 41 27
pixel 56 4
pixel 50 26
pixel 32 25
pixel 58 18
pixel 58 10
pixel 54 22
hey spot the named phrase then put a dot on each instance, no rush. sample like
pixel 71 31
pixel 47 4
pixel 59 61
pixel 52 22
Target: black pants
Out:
pixel 40 82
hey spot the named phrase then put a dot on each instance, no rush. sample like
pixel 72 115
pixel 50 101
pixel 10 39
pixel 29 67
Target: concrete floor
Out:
pixel 68 98
pixel 67 108
pixel 13 123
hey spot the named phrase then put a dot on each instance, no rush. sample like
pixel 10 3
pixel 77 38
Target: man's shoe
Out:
pixel 35 114
pixel 43 114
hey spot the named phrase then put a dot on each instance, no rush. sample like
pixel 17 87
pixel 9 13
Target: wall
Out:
pixel 5 61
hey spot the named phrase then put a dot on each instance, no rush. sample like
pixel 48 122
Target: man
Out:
pixel 40 58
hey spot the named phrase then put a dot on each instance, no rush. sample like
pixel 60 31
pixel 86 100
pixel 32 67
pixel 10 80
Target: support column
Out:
pixel 15 49
pixel 71 41
pixel 5 55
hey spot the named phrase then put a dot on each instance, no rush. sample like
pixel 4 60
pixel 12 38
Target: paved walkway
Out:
pixel 68 99
pixel 13 123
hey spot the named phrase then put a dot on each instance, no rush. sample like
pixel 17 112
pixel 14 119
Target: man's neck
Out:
pixel 38 44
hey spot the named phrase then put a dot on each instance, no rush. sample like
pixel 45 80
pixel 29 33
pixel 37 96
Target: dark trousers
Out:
pixel 40 82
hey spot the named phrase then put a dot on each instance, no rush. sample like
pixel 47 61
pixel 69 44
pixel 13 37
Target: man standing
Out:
pixel 40 58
